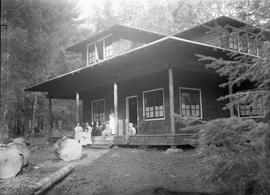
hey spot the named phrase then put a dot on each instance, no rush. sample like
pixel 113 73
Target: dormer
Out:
pixel 227 33
pixel 113 41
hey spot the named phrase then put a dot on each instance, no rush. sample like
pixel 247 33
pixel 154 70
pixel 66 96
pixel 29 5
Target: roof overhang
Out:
pixel 146 59
pixel 220 21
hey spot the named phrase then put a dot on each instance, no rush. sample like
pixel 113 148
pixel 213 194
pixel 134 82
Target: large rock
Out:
pixel 11 162
pixel 68 149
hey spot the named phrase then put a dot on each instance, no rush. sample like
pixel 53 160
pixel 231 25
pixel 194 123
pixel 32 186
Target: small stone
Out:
pixel 173 150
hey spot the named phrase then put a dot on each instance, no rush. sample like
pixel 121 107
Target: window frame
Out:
pixel 201 108
pixel 92 109
pixel 164 109
pixel 95 46
pixel 251 117
pixel 234 39
pixel 237 34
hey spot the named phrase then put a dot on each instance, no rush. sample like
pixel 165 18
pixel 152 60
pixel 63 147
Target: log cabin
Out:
pixel 145 77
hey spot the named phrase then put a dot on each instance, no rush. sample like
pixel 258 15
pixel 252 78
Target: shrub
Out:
pixel 233 151
pixel 187 124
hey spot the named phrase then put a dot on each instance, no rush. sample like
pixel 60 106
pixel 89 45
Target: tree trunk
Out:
pixel 45 183
pixel 34 116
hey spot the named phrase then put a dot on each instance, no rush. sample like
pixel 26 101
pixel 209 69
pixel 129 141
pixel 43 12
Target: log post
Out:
pixel 77 106
pixel 50 116
pixel 171 100
pixel 230 88
pixel 115 102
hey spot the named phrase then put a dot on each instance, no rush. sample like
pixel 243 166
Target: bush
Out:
pixel 233 151
pixel 187 124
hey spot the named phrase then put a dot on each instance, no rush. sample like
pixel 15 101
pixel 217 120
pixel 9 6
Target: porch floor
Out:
pixel 157 140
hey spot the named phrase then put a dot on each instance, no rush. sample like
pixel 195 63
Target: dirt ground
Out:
pixel 135 171
pixel 115 171
pixel 42 163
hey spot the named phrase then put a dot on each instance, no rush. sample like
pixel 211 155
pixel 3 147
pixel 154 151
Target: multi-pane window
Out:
pixel 243 43
pixel 98 111
pixel 233 41
pixel 240 41
pixel 252 47
pixel 108 47
pixel 252 109
pixel 190 102
pixel 100 50
pixel 91 53
pixel 154 104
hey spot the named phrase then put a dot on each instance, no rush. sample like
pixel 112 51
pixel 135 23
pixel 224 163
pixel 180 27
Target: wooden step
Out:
pixel 101 146
pixel 100 142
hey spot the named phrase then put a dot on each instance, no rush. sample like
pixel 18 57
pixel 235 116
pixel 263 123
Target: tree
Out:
pixel 38 33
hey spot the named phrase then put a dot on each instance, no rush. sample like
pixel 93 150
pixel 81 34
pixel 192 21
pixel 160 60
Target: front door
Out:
pixel 132 110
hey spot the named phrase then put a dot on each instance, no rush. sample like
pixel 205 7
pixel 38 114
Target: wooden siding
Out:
pixel 210 38
pixel 208 83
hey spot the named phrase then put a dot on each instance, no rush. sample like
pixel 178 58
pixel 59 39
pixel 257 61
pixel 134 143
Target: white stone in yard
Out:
pixel 68 149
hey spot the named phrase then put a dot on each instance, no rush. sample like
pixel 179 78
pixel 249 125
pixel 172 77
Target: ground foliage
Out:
pixel 234 152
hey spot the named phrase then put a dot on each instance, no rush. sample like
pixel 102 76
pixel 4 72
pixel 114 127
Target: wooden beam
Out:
pixel 50 116
pixel 171 100
pixel 115 102
pixel 77 106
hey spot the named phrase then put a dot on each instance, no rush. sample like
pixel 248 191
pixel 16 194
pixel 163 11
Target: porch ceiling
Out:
pixel 147 59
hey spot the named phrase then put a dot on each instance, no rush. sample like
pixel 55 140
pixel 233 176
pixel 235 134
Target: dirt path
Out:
pixel 133 171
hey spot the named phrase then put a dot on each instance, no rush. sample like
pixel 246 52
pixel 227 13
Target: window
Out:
pixel 91 53
pixel 243 43
pixel 154 104
pixel 252 47
pixel 98 111
pixel 108 47
pixel 99 50
pixel 250 109
pixel 190 102
pixel 233 41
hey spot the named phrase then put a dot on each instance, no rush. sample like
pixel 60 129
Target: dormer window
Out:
pixel 233 41
pixel 91 53
pixel 99 50
pixel 108 47
pixel 241 41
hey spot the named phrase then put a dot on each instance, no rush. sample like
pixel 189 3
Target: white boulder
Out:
pixel 68 149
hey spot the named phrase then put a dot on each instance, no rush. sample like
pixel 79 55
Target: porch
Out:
pixel 150 77
pixel 157 140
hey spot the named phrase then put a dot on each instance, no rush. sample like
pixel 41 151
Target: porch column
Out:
pixel 230 88
pixel 171 100
pixel 115 103
pixel 50 116
pixel 77 106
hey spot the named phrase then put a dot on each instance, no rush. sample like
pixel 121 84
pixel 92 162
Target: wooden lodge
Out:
pixel 145 77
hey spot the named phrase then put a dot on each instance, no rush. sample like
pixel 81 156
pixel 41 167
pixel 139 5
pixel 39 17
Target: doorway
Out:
pixel 132 110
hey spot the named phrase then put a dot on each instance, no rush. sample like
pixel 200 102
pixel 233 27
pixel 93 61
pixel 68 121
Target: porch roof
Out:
pixel 147 59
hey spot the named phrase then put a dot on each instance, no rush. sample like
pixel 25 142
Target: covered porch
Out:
pixel 123 83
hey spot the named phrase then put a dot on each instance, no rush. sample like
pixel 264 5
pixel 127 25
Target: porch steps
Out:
pixel 100 142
